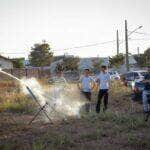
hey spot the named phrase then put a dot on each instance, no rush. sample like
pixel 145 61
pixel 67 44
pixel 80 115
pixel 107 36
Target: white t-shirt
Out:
pixel 86 83
pixel 104 79
pixel 59 85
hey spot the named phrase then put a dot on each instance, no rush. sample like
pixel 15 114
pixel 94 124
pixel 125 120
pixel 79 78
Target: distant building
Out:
pixel 132 64
pixel 5 63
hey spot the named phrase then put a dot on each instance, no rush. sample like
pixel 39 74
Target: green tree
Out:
pixel 140 60
pixel 143 59
pixel 18 62
pixel 97 64
pixel 147 57
pixel 71 63
pixel 117 60
pixel 40 55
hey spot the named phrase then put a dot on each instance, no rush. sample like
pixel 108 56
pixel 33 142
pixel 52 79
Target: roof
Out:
pixel 4 58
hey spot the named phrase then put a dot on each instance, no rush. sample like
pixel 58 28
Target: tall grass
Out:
pixel 12 99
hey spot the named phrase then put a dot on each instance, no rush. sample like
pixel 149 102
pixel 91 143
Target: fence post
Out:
pixel 26 72
pixel 39 76
pixel 11 70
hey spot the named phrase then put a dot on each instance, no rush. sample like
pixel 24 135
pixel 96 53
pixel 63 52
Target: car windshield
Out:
pixel 110 73
pixel 143 73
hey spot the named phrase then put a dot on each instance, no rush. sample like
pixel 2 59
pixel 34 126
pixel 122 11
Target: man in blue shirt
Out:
pixel 86 84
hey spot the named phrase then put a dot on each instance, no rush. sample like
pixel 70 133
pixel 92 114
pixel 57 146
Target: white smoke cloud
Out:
pixel 62 101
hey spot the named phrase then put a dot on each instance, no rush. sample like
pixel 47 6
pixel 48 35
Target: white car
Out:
pixel 135 76
pixel 114 75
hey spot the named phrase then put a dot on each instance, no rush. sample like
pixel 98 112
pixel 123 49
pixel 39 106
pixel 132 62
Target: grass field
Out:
pixel 121 127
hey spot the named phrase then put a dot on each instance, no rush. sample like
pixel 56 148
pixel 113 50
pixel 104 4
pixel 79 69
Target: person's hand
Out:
pixel 96 87
pixel 78 85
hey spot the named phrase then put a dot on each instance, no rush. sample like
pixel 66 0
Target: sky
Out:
pixel 66 24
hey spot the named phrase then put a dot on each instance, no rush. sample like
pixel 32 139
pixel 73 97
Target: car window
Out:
pixel 135 74
pixel 130 75
pixel 143 73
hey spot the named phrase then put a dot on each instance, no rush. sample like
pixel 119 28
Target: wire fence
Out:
pixel 39 72
pixel 27 72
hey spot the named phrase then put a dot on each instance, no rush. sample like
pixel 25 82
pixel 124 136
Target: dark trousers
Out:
pixel 102 93
pixel 88 97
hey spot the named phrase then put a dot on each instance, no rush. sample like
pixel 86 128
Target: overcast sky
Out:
pixel 71 23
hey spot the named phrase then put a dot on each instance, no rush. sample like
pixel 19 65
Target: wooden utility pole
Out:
pixel 138 51
pixel 117 36
pixel 126 46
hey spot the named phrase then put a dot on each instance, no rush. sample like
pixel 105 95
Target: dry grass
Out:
pixel 12 99
pixel 118 128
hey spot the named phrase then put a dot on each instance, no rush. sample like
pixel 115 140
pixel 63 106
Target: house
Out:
pixel 5 63
pixel 132 64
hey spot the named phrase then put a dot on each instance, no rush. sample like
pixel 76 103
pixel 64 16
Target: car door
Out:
pixel 130 76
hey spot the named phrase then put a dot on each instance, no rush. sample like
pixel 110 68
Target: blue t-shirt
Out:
pixel 86 83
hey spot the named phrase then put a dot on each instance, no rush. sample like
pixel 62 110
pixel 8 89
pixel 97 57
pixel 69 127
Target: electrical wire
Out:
pixel 76 47
pixel 83 46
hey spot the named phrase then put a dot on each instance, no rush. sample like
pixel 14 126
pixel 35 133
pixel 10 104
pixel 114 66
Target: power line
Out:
pixel 83 46
pixel 76 47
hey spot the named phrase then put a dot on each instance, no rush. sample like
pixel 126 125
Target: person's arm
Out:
pixel 109 79
pixel 93 85
pixel 97 82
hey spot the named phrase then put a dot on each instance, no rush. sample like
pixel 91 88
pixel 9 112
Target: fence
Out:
pixel 38 73
pixel 27 72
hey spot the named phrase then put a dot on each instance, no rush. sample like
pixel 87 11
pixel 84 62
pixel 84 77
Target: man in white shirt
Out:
pixel 103 80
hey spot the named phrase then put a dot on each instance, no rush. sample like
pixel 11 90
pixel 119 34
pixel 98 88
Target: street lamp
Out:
pixel 135 30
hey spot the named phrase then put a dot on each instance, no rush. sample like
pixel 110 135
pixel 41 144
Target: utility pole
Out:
pixel 138 51
pixel 117 36
pixel 126 45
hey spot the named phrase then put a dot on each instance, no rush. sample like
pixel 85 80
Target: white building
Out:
pixel 5 63
pixel 132 65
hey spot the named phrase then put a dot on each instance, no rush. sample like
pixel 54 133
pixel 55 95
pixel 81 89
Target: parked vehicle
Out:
pixel 133 77
pixel 138 90
pixel 114 75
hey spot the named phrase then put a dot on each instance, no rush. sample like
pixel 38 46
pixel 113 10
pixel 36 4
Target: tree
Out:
pixel 71 63
pixel 18 62
pixel 40 55
pixel 97 64
pixel 143 59
pixel 117 60
pixel 147 57
pixel 140 60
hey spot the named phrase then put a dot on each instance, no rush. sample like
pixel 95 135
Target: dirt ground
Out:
pixel 121 127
